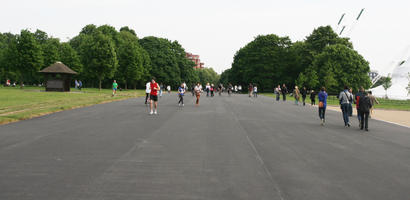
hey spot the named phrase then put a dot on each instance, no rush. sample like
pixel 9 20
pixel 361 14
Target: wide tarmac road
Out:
pixel 227 148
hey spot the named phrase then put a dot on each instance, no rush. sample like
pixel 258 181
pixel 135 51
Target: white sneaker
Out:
pixel 151 112
pixel 155 112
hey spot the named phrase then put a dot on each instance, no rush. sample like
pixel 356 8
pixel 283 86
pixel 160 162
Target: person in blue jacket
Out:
pixel 322 104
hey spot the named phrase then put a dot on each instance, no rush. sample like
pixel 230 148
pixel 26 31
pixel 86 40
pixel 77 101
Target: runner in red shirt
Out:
pixel 154 95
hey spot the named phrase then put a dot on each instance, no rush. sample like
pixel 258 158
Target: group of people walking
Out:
pixel 364 100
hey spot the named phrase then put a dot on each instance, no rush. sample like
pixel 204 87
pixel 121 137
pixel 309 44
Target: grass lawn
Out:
pixel 386 104
pixel 19 104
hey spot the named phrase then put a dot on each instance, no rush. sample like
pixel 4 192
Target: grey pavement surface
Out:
pixel 227 148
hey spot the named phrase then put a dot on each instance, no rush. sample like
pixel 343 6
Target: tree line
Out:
pixel 322 59
pixel 99 55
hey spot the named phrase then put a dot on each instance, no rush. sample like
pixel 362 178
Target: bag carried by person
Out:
pixel 321 104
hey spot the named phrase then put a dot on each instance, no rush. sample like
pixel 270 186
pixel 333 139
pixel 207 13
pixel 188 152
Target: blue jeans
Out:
pixel 345 111
pixel 322 113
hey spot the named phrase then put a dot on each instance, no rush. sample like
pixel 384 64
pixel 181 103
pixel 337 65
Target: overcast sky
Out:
pixel 216 29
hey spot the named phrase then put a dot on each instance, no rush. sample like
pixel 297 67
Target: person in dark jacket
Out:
pixel 304 92
pixel 312 97
pixel 284 92
pixel 357 100
pixel 364 106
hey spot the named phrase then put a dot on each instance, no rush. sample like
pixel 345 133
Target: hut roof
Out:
pixel 58 67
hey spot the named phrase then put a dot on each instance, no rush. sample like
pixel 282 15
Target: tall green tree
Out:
pixel 70 57
pixel 30 57
pixel 98 57
pixel 164 62
pixel 337 66
pixel 130 59
pixel 387 84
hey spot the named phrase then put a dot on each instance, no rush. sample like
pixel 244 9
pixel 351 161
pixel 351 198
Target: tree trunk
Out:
pixel 99 83
pixel 126 85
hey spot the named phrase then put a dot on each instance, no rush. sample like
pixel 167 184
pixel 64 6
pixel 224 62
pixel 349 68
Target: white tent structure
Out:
pixel 400 81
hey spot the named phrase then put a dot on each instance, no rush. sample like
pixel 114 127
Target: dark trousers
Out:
pixel 284 97
pixel 345 111
pixel 322 112
pixel 365 120
pixel 181 99
pixel 359 117
pixel 312 101
pixel 350 110
pixel 303 100
pixel 277 97
pixel 146 97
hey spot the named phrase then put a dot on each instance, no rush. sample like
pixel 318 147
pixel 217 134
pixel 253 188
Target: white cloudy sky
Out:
pixel 216 29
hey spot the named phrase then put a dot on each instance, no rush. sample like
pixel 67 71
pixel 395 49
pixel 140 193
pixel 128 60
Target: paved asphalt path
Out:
pixel 227 148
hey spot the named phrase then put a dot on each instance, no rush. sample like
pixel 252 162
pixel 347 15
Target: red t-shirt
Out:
pixel 154 92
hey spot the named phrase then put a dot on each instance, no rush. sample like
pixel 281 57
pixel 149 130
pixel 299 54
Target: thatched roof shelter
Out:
pixel 58 77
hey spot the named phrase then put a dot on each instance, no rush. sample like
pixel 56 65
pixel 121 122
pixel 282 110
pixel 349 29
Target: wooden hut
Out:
pixel 58 77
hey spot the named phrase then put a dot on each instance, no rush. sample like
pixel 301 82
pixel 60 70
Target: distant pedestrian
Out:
pixel 322 104
pixel 235 89
pixel 161 89
pixel 169 89
pixel 220 87
pixel 255 91
pixel 80 85
pixel 114 88
pixel 296 95
pixel 357 101
pixel 154 96
pixel 240 88
pixel 250 89
pixel 312 98
pixel 198 90
pixel 344 98
pixel 350 103
pixel 365 105
pixel 207 89
pixel 147 91
pixel 76 84
pixel 278 92
pixel 374 101
pixel 212 89
pixel 284 91
pixel 181 93
pixel 230 89
pixel 304 93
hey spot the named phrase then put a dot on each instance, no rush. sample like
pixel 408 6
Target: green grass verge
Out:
pixel 19 104
pixel 387 104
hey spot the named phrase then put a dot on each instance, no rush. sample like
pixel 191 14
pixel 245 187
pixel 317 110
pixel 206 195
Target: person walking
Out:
pixel 296 94
pixel 161 88
pixel 235 89
pixel 114 88
pixel 198 90
pixel 284 91
pixel 147 91
pixel 357 101
pixel 322 104
pixel 212 90
pixel 240 88
pixel 76 84
pixel 374 101
pixel 312 98
pixel 169 89
pixel 207 89
pixel 154 96
pixel 80 85
pixel 344 98
pixel 230 89
pixel 220 89
pixel 181 93
pixel 277 92
pixel 365 105
pixel 350 103
pixel 304 92
pixel 255 91
pixel 250 89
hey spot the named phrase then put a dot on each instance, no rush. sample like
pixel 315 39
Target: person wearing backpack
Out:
pixel 344 97
pixel 365 105
pixel 322 104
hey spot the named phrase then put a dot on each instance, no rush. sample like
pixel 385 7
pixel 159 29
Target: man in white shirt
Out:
pixel 147 91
